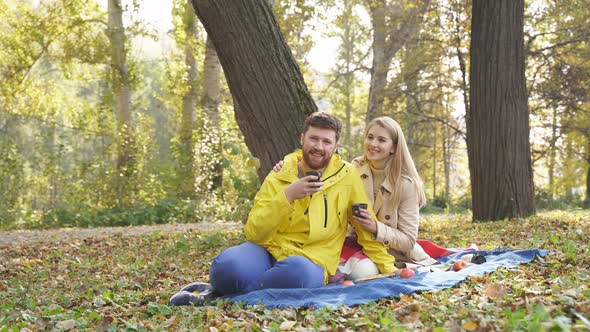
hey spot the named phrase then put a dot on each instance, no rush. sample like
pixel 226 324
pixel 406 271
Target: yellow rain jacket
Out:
pixel 313 227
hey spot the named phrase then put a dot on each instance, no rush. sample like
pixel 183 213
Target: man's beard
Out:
pixel 314 163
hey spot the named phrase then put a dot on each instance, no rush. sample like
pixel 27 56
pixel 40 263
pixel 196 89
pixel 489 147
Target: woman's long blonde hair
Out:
pixel 401 163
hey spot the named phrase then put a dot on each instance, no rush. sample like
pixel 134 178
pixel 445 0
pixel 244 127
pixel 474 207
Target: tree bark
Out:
pixel 270 97
pixel 122 95
pixel 210 99
pixel 189 106
pixel 498 123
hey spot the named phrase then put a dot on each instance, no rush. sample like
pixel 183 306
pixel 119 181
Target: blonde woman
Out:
pixel 396 194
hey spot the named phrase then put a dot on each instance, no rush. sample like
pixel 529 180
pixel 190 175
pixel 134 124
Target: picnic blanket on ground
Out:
pixel 426 279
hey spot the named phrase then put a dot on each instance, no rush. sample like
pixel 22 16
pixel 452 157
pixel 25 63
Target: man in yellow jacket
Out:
pixel 298 224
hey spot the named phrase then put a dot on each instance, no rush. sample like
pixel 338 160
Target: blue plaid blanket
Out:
pixel 433 278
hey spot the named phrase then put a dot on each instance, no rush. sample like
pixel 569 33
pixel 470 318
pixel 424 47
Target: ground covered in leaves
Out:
pixel 123 283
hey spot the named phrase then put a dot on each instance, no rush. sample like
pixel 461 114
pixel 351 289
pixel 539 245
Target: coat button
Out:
pixel 387 217
pixel 364 176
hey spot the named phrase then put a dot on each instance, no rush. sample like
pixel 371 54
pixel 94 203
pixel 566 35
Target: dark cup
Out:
pixel 356 208
pixel 318 174
pixel 478 259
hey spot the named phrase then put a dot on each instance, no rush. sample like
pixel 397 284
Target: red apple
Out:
pixel 460 265
pixel 407 273
pixel 347 283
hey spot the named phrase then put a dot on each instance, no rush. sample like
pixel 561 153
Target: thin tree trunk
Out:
pixel 189 106
pixel 586 202
pixel 461 56
pixel 447 160
pixel 122 95
pixel 381 62
pixel 210 100
pixel 552 153
pixel 270 97
pixel 434 161
pixel 348 44
pixel 387 41
pixel 498 123
pixel 587 199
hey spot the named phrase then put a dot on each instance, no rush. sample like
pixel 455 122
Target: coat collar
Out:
pixel 364 168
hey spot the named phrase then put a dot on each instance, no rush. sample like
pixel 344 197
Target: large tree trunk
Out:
pixel 189 106
pixel 270 97
pixel 210 99
pixel 122 95
pixel 498 123
pixel 387 41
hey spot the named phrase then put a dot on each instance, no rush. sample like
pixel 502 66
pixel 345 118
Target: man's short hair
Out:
pixel 323 120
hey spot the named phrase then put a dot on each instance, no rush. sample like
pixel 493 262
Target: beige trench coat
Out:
pixel 398 229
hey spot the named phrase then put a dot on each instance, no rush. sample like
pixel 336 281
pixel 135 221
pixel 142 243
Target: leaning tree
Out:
pixel 270 97
pixel 498 118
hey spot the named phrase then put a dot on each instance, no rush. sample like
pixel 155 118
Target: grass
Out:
pixel 123 283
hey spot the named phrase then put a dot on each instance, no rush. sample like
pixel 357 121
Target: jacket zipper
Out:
pixel 325 211
pixel 338 171
pixel 325 199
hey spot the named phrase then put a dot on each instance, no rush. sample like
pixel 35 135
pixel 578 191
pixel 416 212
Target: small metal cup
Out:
pixel 318 174
pixel 356 208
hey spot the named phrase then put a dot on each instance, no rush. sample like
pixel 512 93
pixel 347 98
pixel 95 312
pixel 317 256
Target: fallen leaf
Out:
pixel 470 326
pixel 411 318
pixel 571 292
pixel 413 307
pixel 105 324
pixel 287 325
pixel 495 290
pixel 65 325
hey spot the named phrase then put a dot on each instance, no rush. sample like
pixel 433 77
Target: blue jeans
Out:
pixel 248 267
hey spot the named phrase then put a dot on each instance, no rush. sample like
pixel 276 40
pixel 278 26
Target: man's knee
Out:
pixel 238 269
pixel 294 272
pixel 312 275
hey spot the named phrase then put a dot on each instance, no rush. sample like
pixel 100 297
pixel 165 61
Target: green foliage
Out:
pixel 547 201
pixel 60 139
pixel 167 211
pixel 296 19
pixel 560 118
pixel 59 136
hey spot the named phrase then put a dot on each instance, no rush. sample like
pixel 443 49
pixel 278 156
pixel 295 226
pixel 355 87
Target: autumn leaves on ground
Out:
pixel 124 283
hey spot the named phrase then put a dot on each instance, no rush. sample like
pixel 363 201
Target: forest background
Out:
pixel 97 131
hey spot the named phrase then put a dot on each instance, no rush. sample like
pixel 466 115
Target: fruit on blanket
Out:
pixel 407 273
pixel 460 265
pixel 347 283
